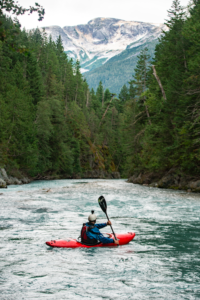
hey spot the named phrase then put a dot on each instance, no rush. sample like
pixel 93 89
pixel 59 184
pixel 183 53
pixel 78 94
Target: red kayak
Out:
pixel 124 238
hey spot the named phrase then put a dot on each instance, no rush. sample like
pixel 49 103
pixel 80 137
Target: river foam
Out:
pixel 162 262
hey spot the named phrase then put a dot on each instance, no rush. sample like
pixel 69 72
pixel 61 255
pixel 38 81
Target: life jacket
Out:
pixel 84 238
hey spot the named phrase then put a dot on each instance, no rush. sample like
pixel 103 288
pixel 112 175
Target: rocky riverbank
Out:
pixel 173 179
pixel 91 174
pixel 6 179
pixel 101 174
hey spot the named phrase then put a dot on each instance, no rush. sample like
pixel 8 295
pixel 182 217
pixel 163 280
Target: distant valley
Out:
pixel 107 48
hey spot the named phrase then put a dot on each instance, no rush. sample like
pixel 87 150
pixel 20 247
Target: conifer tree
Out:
pixel 100 93
pixel 141 78
pixel 107 96
pixel 34 78
pixel 124 93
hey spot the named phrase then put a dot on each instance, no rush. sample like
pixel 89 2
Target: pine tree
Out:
pixel 141 78
pixel 100 93
pixel 107 96
pixel 79 91
pixel 132 90
pixel 34 78
pixel 124 93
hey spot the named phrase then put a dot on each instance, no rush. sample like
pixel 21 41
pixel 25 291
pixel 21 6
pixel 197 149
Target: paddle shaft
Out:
pixel 111 226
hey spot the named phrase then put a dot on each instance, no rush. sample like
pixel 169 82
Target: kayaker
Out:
pixel 91 235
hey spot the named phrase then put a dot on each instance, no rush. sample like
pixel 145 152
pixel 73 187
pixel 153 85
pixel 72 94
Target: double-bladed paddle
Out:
pixel 103 205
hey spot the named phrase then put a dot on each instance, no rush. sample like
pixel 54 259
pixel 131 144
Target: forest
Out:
pixel 53 124
pixel 163 118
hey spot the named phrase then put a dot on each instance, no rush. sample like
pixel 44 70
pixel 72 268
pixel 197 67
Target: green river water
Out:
pixel 162 262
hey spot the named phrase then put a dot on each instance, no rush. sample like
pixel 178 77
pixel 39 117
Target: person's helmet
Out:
pixel 92 217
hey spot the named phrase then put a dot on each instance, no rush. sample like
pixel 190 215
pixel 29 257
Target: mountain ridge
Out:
pixel 94 44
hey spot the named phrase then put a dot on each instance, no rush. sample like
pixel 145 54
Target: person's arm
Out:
pixel 102 238
pixel 105 240
pixel 102 225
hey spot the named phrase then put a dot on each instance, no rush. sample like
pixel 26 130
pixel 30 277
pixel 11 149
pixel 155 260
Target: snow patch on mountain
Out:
pixel 83 70
pixel 101 39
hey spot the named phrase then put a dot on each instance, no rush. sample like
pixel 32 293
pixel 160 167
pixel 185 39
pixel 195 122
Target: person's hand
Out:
pixel 109 223
pixel 116 242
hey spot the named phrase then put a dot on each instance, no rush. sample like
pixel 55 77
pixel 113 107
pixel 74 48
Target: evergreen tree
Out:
pixel 100 93
pixel 34 78
pixel 141 78
pixel 131 90
pixel 107 96
pixel 124 93
pixel 52 124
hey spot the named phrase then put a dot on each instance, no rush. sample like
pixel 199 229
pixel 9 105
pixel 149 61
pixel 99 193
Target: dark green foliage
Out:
pixel 76 152
pixel 141 73
pixel 107 95
pixel 100 93
pixel 169 137
pixel 124 93
pixel 50 121
pixel 33 75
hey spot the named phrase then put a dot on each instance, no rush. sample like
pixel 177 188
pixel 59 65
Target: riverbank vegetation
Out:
pixel 163 118
pixel 51 123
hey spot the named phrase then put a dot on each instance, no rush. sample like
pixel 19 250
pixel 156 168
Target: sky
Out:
pixel 74 12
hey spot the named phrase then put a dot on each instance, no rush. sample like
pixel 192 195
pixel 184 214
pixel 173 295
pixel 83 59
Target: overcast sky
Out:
pixel 74 12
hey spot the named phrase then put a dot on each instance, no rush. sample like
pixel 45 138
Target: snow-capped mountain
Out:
pixel 101 40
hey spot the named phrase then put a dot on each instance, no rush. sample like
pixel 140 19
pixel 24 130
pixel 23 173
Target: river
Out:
pixel 162 262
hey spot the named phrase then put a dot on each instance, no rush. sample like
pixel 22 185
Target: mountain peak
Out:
pixel 102 39
pixel 103 20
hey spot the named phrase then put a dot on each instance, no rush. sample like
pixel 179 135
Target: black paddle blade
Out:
pixel 102 203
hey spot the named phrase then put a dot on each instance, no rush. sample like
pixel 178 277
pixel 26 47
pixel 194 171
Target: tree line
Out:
pixel 161 121
pixel 52 123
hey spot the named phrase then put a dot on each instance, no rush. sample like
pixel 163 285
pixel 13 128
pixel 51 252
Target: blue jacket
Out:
pixel 94 233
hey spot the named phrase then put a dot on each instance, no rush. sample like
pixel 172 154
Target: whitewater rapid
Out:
pixel 162 262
